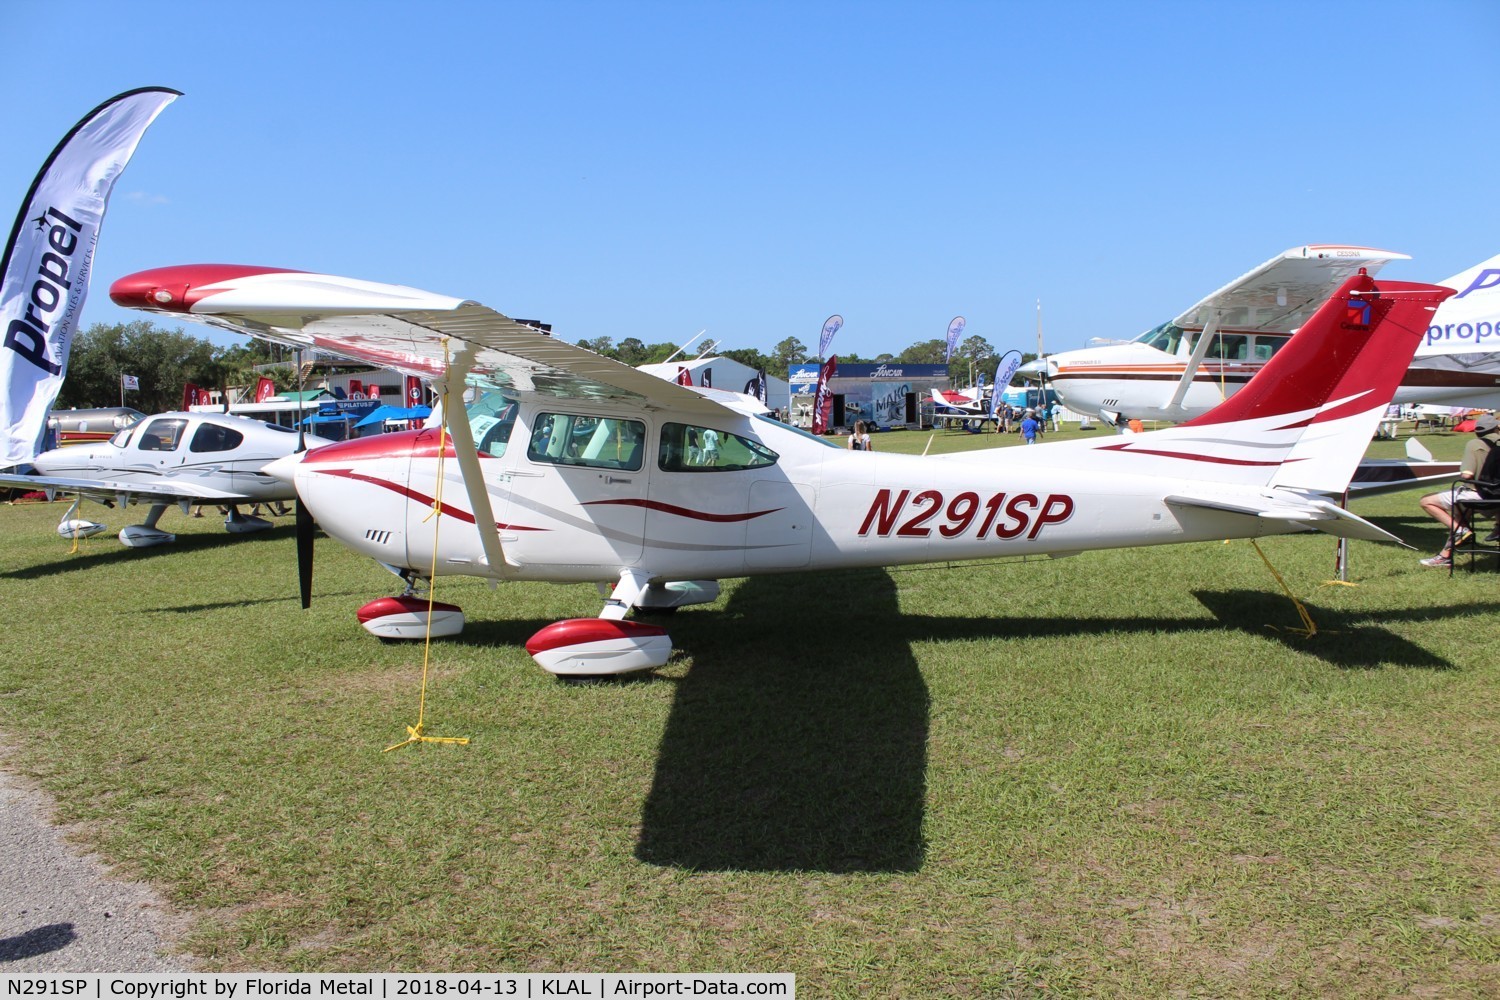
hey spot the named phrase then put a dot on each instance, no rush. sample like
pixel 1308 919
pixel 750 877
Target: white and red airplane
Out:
pixel 166 459
pixel 959 402
pixel 1188 365
pixel 571 467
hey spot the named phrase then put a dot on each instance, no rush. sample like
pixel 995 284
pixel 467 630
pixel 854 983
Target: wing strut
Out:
pixel 1200 349
pixel 451 391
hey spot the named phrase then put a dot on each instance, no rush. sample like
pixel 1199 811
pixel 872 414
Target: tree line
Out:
pixel 162 361
pixel 973 356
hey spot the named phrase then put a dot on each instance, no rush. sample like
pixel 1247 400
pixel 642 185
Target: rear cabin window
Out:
pixel 161 435
pixel 1266 347
pixel 592 442
pixel 212 437
pixel 690 448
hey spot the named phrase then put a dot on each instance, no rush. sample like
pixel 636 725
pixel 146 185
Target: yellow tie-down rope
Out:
pixel 414 734
pixel 1309 627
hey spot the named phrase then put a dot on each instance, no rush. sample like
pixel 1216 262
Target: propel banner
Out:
pixel 44 275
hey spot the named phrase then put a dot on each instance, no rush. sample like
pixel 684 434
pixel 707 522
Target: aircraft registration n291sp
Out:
pixel 166 459
pixel 568 466
pixel 1188 365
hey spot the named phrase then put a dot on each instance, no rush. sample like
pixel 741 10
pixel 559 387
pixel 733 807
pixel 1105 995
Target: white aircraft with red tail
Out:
pixel 571 467
pixel 166 459
pixel 1188 365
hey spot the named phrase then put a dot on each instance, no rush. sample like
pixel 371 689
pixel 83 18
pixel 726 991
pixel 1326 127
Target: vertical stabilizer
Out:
pixel 1333 380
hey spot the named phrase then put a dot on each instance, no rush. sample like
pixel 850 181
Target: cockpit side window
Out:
pixel 212 437
pixel 161 435
pixel 594 442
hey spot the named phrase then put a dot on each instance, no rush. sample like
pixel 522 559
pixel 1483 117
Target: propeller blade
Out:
pixel 305 525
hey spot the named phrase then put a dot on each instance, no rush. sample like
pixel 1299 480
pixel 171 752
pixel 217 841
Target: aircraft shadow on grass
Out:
pixel 105 550
pixel 801 746
pixel 795 747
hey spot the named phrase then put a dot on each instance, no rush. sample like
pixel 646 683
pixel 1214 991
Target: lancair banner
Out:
pixel 45 272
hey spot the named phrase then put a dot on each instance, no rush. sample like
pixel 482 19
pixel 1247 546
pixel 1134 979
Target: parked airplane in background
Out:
pixel 90 426
pixel 1190 364
pixel 966 407
pixel 181 458
pixel 959 402
pixel 571 467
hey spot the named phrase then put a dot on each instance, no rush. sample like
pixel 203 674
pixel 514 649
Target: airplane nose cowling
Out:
pixel 1040 368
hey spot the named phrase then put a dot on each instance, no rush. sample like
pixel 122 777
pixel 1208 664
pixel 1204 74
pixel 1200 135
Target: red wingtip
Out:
pixel 177 288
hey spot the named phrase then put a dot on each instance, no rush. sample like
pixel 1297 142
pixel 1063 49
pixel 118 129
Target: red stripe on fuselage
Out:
pixel 421 443
pixel 697 515
pixel 1214 459
pixel 420 498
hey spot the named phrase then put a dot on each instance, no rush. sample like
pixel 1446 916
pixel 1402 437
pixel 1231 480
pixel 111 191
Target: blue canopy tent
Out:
pixel 381 414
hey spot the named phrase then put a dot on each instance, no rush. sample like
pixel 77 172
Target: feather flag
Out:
pixel 831 326
pixel 955 330
pixel 822 398
pixel 44 275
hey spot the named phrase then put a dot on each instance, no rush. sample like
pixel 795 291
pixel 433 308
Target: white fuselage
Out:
pixel 816 506
pixel 217 452
pixel 1141 381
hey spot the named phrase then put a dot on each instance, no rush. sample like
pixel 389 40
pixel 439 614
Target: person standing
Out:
pixel 859 439
pixel 1029 427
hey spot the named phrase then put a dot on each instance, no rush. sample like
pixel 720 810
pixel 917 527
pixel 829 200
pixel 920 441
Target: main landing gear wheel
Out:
pixel 599 647
pixel 406 617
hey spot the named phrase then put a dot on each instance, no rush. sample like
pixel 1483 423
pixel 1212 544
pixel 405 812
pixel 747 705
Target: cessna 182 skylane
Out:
pixel 1190 364
pixel 181 458
pixel 571 467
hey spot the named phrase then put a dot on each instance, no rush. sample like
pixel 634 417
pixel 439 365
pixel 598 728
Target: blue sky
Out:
pixel 652 169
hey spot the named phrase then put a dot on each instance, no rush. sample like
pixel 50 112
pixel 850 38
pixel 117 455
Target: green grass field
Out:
pixel 1119 774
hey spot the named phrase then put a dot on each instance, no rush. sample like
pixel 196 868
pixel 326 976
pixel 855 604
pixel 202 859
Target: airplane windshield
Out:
pixel 1166 338
pixel 121 439
pixel 492 417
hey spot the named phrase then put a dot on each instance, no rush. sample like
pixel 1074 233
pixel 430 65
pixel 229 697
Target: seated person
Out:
pixel 1440 505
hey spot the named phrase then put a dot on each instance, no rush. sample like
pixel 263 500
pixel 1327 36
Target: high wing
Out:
pixel 105 491
pixel 1283 293
pixel 400 328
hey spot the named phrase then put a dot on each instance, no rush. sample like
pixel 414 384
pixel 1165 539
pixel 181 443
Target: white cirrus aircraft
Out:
pixel 571 467
pixel 1188 365
pixel 166 459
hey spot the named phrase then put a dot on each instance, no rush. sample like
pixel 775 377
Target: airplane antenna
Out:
pixel 685 344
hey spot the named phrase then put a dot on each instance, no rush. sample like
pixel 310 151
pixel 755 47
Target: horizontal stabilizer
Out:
pixel 1309 512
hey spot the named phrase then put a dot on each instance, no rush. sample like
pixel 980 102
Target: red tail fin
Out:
pixel 1354 349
